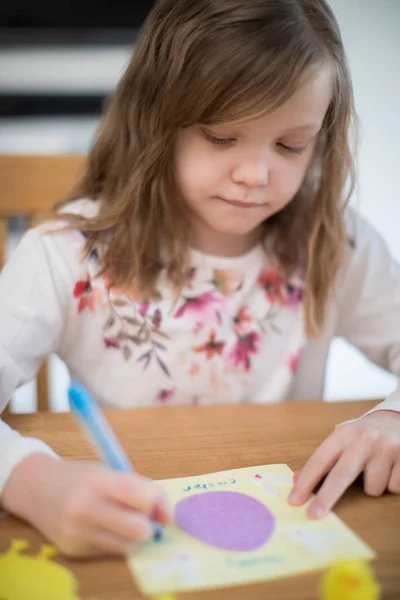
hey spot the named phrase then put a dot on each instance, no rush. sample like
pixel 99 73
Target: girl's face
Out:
pixel 235 177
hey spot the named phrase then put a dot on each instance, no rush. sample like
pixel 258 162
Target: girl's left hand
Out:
pixel 370 445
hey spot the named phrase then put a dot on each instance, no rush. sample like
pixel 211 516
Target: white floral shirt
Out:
pixel 236 321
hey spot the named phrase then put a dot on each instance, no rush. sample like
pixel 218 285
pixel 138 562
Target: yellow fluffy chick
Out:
pixel 165 597
pixel 350 580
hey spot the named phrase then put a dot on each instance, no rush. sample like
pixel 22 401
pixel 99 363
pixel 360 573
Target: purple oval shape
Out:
pixel 227 520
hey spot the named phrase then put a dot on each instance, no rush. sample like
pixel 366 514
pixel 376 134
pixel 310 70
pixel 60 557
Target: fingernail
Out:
pixel 316 511
pixel 295 496
pixel 165 514
pixel 163 508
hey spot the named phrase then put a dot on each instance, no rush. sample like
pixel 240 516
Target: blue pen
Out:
pixel 102 436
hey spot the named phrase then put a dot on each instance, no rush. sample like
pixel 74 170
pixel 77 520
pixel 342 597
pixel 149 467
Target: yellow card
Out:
pixel 236 527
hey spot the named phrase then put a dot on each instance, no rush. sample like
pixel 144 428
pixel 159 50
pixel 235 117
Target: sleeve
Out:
pixel 33 312
pixel 369 303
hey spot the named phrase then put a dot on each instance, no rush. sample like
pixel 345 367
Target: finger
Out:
pixel 162 513
pixel 342 475
pixel 96 543
pixel 394 480
pixel 127 524
pixel 376 475
pixel 109 545
pixel 318 465
pixel 296 475
pixel 133 491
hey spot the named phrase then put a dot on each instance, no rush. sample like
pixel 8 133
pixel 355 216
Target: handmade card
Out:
pixel 236 527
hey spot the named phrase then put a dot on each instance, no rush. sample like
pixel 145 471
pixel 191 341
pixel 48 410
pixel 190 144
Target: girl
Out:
pixel 205 256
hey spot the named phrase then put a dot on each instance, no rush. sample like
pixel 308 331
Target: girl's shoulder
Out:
pixel 368 260
pixel 85 207
pixel 58 232
pixel 45 265
pixel 52 247
pixel 363 238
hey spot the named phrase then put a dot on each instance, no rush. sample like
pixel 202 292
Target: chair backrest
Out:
pixel 30 185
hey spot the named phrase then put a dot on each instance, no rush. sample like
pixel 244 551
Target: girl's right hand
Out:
pixel 84 508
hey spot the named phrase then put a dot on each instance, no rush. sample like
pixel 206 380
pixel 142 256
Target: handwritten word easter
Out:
pixel 252 562
pixel 207 486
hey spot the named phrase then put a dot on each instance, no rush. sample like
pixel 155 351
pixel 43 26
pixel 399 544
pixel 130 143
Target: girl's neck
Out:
pixel 215 243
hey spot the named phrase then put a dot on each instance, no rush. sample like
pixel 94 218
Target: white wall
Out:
pixel 371 30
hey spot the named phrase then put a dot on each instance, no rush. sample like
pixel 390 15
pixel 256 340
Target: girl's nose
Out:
pixel 252 171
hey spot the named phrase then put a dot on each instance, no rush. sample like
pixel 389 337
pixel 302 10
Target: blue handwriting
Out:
pixel 207 486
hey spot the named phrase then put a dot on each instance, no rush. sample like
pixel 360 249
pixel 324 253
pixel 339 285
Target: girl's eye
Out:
pixel 217 140
pixel 293 149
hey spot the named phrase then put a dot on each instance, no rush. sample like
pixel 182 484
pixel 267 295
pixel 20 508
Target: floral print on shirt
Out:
pixel 278 289
pixel 207 307
pixel 88 295
pixel 137 326
pixel 211 347
pixel 225 340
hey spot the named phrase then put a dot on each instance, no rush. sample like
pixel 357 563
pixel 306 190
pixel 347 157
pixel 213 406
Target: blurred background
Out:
pixel 58 61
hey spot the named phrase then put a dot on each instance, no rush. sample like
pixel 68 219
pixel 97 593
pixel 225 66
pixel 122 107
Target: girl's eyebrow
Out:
pixel 314 127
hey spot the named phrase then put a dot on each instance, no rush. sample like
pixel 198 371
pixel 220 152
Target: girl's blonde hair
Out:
pixel 213 62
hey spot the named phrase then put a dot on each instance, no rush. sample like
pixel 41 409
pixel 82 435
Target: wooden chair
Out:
pixel 30 185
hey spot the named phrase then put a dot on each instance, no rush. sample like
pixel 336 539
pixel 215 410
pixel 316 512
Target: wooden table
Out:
pixel 174 442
